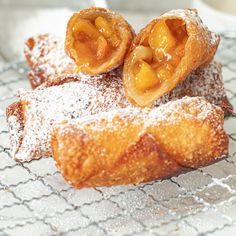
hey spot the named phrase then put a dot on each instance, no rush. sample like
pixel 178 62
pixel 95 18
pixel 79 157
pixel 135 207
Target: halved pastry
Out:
pixel 164 53
pixel 50 65
pixel 132 145
pixel 97 39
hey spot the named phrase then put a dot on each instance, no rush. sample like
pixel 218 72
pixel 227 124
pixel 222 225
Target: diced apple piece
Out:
pixel 114 40
pixel 105 28
pixel 83 51
pixel 146 77
pixel 159 55
pixel 102 47
pixel 103 25
pixel 162 37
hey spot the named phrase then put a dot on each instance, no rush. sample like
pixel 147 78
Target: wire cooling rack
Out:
pixel 35 200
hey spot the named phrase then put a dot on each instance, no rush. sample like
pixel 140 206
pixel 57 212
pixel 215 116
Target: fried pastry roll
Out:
pixel 97 39
pixel 30 119
pixel 134 145
pixel 164 53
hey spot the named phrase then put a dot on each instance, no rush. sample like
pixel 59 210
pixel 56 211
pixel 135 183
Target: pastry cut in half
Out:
pixel 97 40
pixel 164 53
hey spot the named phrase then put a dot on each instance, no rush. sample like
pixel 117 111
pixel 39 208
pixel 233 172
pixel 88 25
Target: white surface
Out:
pixel 20 19
pixel 143 6
pixel 216 18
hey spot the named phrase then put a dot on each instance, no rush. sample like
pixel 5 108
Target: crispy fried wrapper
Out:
pixel 132 145
pixel 31 118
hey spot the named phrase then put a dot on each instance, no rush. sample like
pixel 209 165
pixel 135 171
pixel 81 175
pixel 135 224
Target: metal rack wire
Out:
pixel 35 200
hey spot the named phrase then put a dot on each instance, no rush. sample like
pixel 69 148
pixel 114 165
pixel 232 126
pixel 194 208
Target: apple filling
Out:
pixel 94 41
pixel 156 59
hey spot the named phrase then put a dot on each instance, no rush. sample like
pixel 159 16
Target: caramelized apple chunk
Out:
pixel 107 31
pixel 146 77
pixel 161 38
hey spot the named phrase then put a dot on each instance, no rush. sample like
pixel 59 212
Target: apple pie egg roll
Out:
pixel 132 145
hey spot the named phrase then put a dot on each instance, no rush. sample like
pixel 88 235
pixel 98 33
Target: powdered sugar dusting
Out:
pixel 205 83
pixel 173 112
pixel 46 106
pixel 191 15
pixel 15 132
pixel 48 48
pixel 47 59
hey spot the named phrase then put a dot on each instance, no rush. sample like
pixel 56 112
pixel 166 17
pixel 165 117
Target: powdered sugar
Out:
pixel 15 131
pixel 173 112
pixel 191 15
pixel 47 59
pixel 46 106
pixel 205 82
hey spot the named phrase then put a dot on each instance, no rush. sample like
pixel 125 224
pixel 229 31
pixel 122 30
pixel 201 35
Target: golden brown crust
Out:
pixel 200 49
pixel 134 146
pixel 124 30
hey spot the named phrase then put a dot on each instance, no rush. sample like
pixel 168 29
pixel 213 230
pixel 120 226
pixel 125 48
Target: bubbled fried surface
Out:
pixel 134 146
